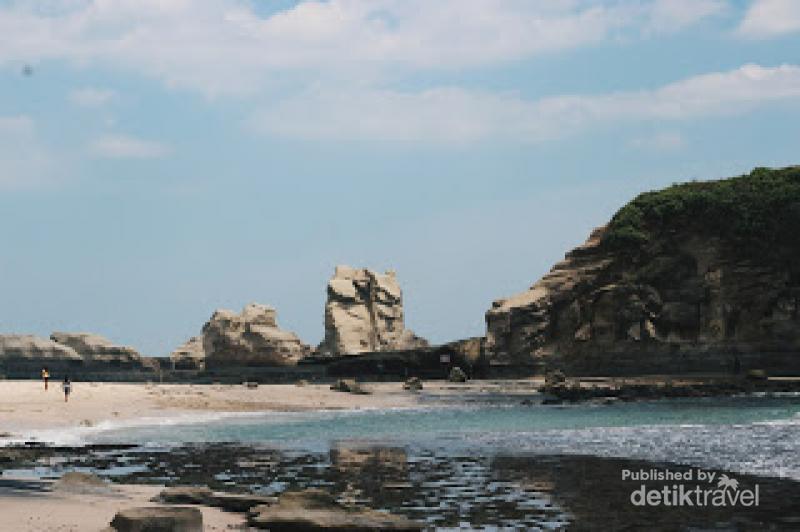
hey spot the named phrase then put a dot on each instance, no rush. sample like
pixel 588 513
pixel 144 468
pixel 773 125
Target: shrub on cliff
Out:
pixel 756 213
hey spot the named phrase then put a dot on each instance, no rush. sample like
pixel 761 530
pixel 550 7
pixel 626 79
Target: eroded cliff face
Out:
pixel 684 300
pixel 98 351
pixel 364 313
pixel 250 338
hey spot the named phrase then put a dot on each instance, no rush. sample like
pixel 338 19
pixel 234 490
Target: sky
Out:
pixel 161 159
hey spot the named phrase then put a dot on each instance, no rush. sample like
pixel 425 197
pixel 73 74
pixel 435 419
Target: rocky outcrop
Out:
pixel 364 313
pixel 158 519
pixel 97 351
pixel 313 509
pixel 698 277
pixel 28 352
pixel 251 338
pixel 190 355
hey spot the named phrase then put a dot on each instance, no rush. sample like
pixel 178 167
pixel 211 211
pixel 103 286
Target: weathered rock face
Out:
pixel 32 352
pixel 98 351
pixel 190 355
pixel 364 313
pixel 673 292
pixel 251 338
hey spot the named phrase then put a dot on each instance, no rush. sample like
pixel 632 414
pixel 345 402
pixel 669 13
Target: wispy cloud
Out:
pixel 771 18
pixel 91 97
pixel 220 46
pixel 126 147
pixel 459 115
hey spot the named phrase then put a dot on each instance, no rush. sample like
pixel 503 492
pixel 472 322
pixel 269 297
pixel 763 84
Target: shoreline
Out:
pixel 28 413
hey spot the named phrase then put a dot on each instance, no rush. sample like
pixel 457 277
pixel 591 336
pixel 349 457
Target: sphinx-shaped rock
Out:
pixel 99 351
pixel 28 352
pixel 190 355
pixel 364 313
pixel 251 338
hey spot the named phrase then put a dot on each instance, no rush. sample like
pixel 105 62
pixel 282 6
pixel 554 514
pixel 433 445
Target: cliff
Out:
pixel 701 276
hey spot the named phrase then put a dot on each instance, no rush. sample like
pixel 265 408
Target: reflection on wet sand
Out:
pixel 434 487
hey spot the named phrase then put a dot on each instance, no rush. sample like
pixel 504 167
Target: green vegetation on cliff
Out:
pixel 756 213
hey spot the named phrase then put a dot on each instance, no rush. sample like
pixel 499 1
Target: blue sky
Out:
pixel 166 158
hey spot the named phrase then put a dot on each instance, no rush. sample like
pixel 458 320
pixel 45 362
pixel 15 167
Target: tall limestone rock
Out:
pixel 251 338
pixel 703 276
pixel 364 313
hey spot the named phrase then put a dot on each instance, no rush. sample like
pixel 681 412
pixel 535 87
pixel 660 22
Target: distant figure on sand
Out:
pixel 67 385
pixel 45 377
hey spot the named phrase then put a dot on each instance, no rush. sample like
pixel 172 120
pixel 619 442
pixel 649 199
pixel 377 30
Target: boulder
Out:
pixel 28 352
pixel 312 510
pixel 413 384
pixel 348 385
pixel 158 519
pixel 457 375
pixel 250 338
pixel 99 351
pixel 364 313
pixel 185 495
pixel 190 355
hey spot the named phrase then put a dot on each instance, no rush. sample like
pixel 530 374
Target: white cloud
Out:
pixel 91 97
pixel 458 115
pixel 220 46
pixel 769 18
pixel 662 141
pixel 126 147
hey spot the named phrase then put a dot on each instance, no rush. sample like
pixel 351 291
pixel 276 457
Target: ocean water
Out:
pixel 758 435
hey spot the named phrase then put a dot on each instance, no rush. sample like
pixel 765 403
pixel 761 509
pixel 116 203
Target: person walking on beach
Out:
pixel 45 377
pixel 67 385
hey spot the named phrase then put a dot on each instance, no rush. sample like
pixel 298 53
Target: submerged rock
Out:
pixel 364 313
pixel 250 338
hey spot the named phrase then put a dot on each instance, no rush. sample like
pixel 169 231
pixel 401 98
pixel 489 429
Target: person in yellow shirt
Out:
pixel 45 377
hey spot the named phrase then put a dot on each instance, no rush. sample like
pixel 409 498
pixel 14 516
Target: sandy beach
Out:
pixel 25 406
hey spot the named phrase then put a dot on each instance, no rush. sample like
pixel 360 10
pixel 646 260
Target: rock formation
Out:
pixel 31 353
pixel 697 277
pixel 190 355
pixel 251 338
pixel 96 350
pixel 364 313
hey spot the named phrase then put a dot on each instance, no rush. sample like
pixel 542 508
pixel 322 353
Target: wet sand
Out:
pixel 35 506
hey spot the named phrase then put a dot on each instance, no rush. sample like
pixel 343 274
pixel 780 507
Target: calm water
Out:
pixel 747 434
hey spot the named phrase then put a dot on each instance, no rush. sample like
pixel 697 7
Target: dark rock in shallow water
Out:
pixel 158 519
